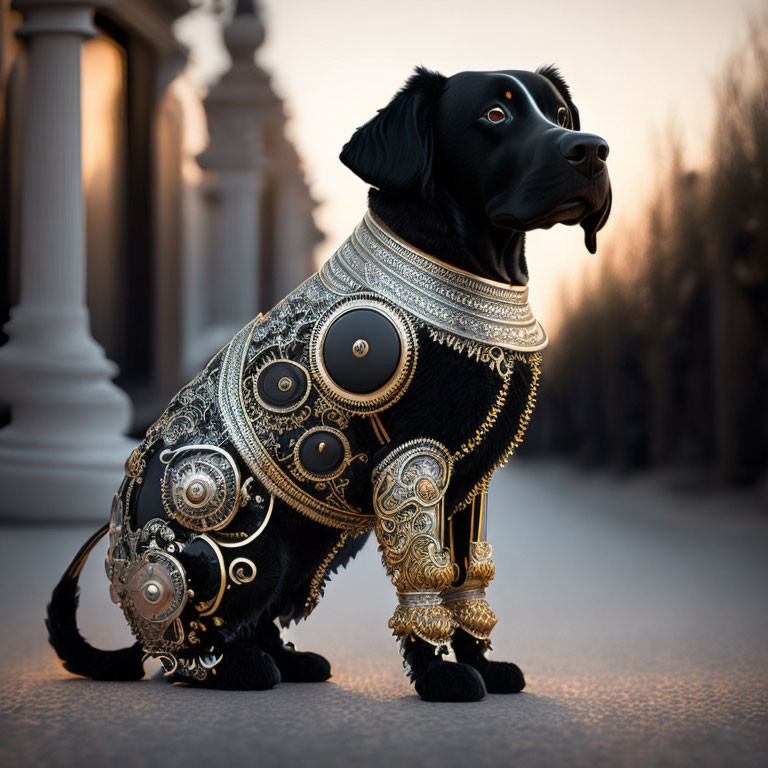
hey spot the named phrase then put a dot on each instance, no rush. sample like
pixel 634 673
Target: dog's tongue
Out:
pixel 590 235
pixel 590 226
pixel 592 223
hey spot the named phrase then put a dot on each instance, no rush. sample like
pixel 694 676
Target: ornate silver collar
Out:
pixel 445 297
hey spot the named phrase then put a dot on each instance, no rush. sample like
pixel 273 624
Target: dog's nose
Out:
pixel 586 152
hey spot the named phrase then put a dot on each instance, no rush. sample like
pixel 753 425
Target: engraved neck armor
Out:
pixel 447 298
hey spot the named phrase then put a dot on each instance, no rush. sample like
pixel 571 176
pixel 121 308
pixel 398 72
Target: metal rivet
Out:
pixel 321 447
pixel 426 491
pixel 196 491
pixel 284 384
pixel 152 592
pixel 360 348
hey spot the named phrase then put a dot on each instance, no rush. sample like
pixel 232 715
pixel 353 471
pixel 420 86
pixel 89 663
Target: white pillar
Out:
pixel 61 457
pixel 295 235
pixel 234 166
pixel 236 289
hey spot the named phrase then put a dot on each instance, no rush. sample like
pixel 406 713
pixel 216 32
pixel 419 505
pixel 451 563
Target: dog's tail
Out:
pixel 78 656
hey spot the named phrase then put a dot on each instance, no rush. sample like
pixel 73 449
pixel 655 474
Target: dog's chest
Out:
pixel 310 398
pixel 317 440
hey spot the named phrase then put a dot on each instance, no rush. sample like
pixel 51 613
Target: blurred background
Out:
pixel 210 136
pixel 169 168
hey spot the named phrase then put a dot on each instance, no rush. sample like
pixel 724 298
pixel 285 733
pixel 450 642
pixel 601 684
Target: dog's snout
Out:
pixel 585 152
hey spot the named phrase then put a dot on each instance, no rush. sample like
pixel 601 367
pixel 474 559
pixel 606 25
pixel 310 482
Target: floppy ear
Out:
pixel 393 151
pixel 552 73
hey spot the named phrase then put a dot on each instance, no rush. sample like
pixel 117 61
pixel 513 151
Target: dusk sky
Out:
pixel 636 70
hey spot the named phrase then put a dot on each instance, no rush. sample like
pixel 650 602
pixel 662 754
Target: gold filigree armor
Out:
pixel 467 602
pixel 408 490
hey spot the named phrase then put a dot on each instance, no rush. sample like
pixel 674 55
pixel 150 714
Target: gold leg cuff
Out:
pixel 421 614
pixel 470 611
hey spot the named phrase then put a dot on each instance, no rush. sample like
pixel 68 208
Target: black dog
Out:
pixel 382 394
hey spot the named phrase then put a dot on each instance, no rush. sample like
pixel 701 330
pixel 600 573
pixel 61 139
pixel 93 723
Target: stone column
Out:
pixel 61 456
pixel 234 165
pixel 296 234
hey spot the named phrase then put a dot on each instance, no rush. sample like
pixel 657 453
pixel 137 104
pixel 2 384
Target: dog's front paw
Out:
pixel 501 676
pixel 301 666
pixel 498 676
pixel 450 681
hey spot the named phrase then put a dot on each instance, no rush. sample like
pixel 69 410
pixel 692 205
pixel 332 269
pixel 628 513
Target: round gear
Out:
pixel 201 487
pixel 321 453
pixel 282 386
pixel 363 353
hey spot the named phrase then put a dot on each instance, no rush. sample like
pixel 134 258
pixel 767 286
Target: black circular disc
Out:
pixel 361 350
pixel 321 452
pixel 281 384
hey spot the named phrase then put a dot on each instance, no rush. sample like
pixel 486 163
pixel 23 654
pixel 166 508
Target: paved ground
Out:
pixel 637 613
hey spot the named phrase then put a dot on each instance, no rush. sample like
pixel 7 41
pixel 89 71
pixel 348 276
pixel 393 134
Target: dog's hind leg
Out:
pixel 295 666
pixel 408 490
pixel 236 666
pixel 467 603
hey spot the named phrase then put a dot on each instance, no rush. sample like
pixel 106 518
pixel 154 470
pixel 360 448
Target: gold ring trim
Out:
pixel 292 406
pixel 304 472
pixel 259 462
pixel 390 392
pixel 223 585
pixel 255 535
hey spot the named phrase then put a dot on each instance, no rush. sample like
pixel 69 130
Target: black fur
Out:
pixel 465 189
pixel 394 150
pixel 498 676
pixel 438 680
pixel 295 666
pixel 552 73
pixel 78 656
pixel 446 199
pixel 243 667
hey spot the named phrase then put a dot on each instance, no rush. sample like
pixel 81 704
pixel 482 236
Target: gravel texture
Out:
pixel 637 613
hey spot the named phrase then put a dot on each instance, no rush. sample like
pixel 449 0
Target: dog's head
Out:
pixel 504 145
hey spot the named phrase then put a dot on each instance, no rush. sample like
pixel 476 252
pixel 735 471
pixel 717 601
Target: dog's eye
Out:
pixel 562 117
pixel 495 115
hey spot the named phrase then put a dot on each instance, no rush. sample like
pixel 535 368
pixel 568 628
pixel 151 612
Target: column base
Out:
pixel 72 485
pixel 62 456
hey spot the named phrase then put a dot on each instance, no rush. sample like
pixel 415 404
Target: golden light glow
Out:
pixel 103 77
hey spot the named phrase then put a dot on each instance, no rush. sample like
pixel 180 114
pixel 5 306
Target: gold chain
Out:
pixel 525 418
pixel 317 580
pixel 493 414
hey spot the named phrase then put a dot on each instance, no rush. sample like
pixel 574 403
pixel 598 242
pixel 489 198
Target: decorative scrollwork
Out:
pixel 153 593
pixel 190 415
pixel 408 490
pixel 266 449
pixel 466 305
pixel 481 567
pixel 470 610
pixel 201 487
pixel 135 465
pixel 195 667
pixel 237 571
pixel 466 602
